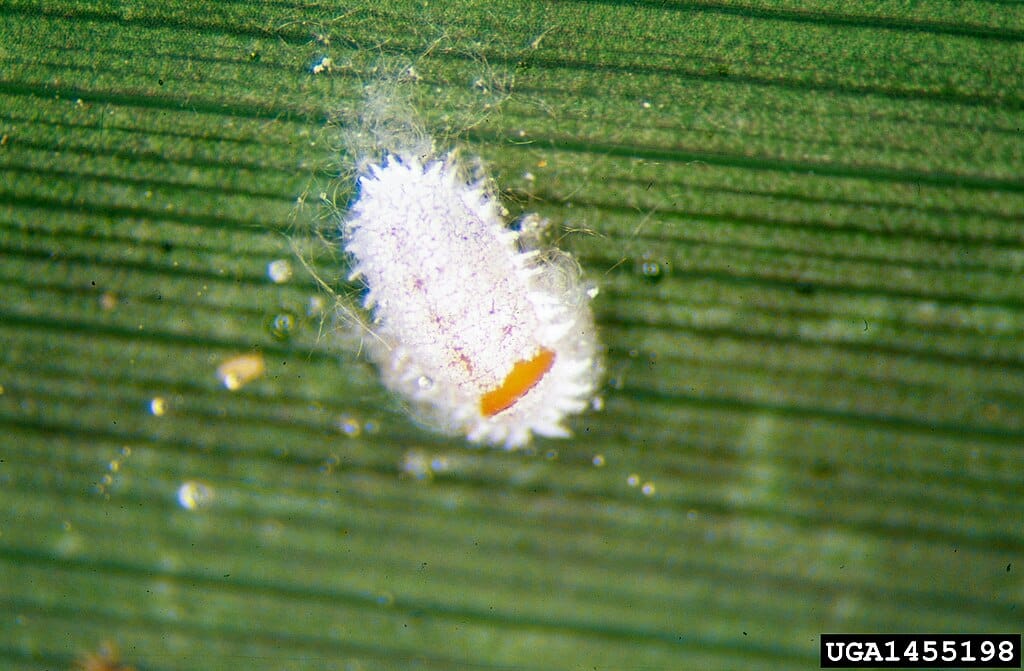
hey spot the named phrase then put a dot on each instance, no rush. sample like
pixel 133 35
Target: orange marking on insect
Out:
pixel 523 377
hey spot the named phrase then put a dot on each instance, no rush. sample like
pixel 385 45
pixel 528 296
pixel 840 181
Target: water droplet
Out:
pixel 633 480
pixel 330 463
pixel 440 464
pixel 648 489
pixel 158 406
pixel 598 460
pixel 650 268
pixel 350 426
pixel 416 464
pixel 282 325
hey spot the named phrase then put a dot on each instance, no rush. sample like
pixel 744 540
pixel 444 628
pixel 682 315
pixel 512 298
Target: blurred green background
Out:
pixel 807 224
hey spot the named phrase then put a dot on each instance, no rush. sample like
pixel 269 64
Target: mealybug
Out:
pixel 485 334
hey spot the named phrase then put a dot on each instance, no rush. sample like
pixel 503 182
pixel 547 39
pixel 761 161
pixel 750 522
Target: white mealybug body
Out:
pixel 484 335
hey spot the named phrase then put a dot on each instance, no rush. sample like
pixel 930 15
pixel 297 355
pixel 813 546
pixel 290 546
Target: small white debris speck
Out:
pixel 193 495
pixel 324 64
pixel 279 271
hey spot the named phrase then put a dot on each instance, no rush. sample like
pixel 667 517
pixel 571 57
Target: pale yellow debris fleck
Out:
pixel 240 370
pixel 158 406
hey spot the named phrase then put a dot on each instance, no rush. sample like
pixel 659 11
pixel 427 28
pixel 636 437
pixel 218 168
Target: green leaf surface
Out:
pixel 806 220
